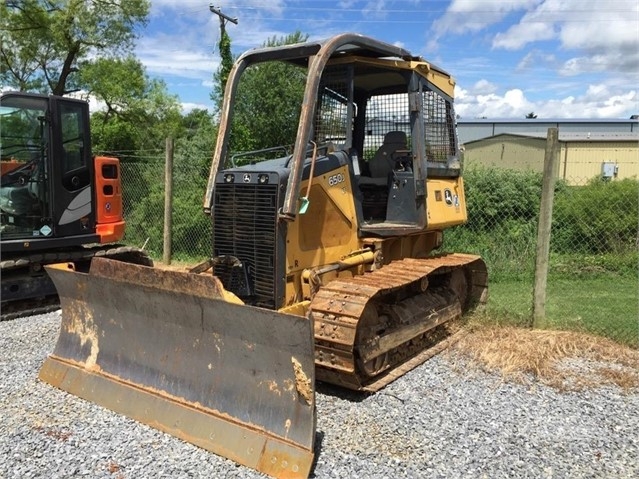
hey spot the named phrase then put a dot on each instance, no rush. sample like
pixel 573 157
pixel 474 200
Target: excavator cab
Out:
pixel 57 201
pixel 48 190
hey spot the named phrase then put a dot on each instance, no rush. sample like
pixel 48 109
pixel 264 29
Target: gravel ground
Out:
pixel 442 420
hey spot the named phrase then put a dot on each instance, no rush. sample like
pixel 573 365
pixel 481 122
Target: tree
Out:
pixel 222 74
pixel 141 121
pixel 267 107
pixel 45 44
pixel 191 231
pixel 194 147
pixel 118 82
pixel 531 116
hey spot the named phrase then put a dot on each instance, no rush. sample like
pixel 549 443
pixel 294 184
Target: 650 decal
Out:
pixel 335 179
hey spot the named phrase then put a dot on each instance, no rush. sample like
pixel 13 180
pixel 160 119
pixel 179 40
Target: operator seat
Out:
pixel 382 163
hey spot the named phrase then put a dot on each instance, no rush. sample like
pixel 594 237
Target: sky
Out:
pixel 556 58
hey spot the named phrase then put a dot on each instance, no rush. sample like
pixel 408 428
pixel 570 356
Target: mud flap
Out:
pixel 161 347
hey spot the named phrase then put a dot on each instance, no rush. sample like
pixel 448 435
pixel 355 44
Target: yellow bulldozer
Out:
pixel 322 265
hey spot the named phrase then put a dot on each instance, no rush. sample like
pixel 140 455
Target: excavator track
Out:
pixel 29 289
pixel 373 328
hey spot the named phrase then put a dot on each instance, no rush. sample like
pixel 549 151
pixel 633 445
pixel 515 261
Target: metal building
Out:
pixel 471 130
pixel 583 156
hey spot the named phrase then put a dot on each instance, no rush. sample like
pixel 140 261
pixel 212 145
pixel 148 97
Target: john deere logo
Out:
pixel 448 197
pixel 247 178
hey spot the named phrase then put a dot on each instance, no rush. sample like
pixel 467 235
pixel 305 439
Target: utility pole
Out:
pixel 225 48
pixel 223 17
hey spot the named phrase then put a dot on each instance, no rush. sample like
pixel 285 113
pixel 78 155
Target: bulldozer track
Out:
pixel 371 329
pixel 80 256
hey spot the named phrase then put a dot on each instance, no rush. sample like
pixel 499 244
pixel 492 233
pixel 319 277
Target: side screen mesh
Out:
pixel 439 127
pixel 385 113
pixel 331 114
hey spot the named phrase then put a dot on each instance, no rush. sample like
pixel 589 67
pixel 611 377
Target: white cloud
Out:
pixel 611 62
pixel 535 58
pixel 620 105
pixel 607 27
pixel 375 9
pixel 187 107
pixel 578 24
pixel 469 16
pixel 491 105
pixel 520 35
pixel 167 55
pixel 483 87
pixel 601 37
pixel 597 101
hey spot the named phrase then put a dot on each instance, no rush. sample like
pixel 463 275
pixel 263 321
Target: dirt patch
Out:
pixel 561 359
pixel 183 267
pixel 302 382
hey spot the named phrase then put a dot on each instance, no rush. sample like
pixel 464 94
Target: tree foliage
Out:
pixel 222 74
pixel 45 44
pixel 268 102
pixel 600 217
pixel 118 82
pixel 137 123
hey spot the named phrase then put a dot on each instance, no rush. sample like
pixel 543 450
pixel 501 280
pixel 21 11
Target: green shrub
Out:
pixel 498 196
pixel 601 217
pixel 594 265
pixel 597 223
pixel 507 249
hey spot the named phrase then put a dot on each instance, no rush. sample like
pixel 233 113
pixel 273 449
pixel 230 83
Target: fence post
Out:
pixel 168 201
pixel 544 228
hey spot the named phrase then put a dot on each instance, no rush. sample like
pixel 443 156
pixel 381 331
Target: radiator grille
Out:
pixel 245 226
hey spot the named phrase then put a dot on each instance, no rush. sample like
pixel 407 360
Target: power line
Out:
pixel 467 22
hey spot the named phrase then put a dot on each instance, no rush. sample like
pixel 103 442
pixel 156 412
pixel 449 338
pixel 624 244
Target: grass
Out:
pixel 561 359
pixel 607 305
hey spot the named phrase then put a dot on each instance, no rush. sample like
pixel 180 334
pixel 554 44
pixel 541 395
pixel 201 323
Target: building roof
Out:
pixel 547 120
pixel 572 137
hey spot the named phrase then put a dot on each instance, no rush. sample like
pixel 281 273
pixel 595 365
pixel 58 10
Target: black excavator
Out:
pixel 58 202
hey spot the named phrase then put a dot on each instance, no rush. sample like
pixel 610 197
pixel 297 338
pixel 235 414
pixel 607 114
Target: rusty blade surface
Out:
pixel 162 348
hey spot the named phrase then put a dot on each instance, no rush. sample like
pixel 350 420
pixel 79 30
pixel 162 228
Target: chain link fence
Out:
pixel 592 282
pixel 593 274
pixel 144 185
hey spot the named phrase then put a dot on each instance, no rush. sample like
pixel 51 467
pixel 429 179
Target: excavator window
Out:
pixel 75 171
pixel 23 152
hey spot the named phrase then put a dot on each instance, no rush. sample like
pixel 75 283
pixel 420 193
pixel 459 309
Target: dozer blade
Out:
pixel 161 347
